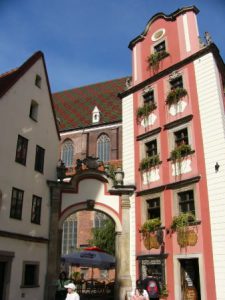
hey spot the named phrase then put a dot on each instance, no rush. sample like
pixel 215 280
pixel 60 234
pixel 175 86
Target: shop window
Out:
pixel 34 110
pixel 153 207
pixel 21 150
pixel 30 276
pixel 103 148
pixel 39 159
pixel 186 201
pixel 67 153
pixel 36 210
pixel 155 264
pixel 16 204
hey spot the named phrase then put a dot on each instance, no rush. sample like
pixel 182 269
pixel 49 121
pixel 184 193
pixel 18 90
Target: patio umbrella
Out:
pixel 90 257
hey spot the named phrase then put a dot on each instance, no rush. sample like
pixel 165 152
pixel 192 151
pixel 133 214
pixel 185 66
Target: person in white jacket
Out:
pixel 71 294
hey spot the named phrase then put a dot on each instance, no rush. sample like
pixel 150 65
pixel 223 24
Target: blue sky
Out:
pixel 86 41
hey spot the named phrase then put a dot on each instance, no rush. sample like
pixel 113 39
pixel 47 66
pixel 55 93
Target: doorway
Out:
pixel 190 281
pixel 2 279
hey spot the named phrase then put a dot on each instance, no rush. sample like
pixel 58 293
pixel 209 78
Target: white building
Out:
pixel 28 158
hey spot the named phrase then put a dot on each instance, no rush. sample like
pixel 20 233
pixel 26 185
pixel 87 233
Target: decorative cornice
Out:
pixel 211 48
pixel 169 186
pixel 148 134
pixel 170 17
pixel 153 256
pixel 122 190
pixel 23 237
pixel 178 122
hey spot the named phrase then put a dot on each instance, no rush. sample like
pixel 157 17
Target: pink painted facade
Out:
pixel 172 186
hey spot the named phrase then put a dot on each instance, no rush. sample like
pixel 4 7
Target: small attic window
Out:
pixel 95 115
pixel 38 81
pixel 34 110
pixel 160 47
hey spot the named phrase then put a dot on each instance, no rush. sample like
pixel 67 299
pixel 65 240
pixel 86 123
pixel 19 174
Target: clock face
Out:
pixel 158 34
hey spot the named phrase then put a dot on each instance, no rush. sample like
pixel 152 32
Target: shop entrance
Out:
pixel 190 283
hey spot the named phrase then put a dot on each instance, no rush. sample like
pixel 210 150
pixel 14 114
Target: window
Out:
pixel 181 137
pixel 21 150
pixel 151 148
pixel 39 159
pixel 69 234
pixel 36 210
pixel 153 208
pixel 99 220
pixel 176 82
pixel 103 148
pixel 186 201
pixel 34 110
pixel 38 81
pixel 149 97
pixel 16 204
pixel 67 153
pixel 160 47
pixel 30 274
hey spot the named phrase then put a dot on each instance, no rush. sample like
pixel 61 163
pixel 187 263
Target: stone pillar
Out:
pixel 123 277
pixel 54 247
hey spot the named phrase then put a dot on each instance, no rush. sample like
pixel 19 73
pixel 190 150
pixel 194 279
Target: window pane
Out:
pixel 153 208
pixel 67 153
pixel 16 204
pixel 181 137
pixel 151 148
pixel 21 150
pixel 186 201
pixel 103 148
pixel 39 159
pixel 36 210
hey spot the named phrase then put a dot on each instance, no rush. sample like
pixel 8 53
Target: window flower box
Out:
pixel 149 162
pixel 155 58
pixel 175 95
pixel 144 111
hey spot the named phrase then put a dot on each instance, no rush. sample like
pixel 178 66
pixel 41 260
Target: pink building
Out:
pixel 173 151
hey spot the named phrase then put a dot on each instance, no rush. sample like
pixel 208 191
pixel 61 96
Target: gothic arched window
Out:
pixel 103 148
pixel 67 153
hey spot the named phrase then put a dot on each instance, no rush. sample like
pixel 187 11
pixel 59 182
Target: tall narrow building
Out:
pixel 174 152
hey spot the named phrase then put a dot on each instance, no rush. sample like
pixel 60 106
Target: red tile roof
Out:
pixel 74 107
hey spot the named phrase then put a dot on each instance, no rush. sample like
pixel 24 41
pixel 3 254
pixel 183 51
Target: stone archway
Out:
pixel 67 198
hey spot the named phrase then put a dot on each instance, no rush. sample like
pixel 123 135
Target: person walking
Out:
pixel 61 290
pixel 151 285
pixel 139 294
pixel 71 294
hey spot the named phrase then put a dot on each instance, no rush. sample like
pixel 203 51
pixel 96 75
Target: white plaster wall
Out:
pixel 213 131
pixel 14 120
pixel 90 189
pixel 128 139
pixel 132 241
pixel 25 251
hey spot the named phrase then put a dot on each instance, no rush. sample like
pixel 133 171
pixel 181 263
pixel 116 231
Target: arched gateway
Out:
pixel 91 189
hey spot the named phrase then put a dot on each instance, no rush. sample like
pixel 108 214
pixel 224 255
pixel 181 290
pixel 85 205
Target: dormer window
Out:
pixel 38 81
pixel 95 115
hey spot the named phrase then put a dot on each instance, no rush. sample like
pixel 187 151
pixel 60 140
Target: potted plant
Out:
pixel 175 95
pixel 180 224
pixel 154 58
pixel 144 111
pixel 151 233
pixel 149 162
pixel 180 151
pixel 164 293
